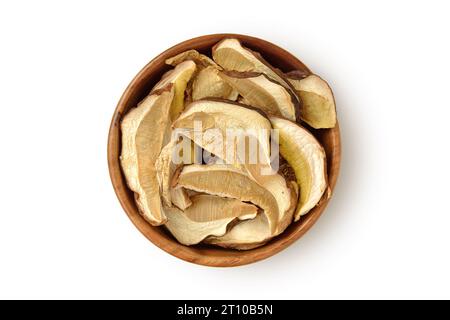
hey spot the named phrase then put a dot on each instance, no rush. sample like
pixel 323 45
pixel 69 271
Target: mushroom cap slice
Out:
pixel 143 131
pixel 227 181
pixel 231 55
pixel 225 116
pixel 179 77
pixel 260 91
pixel 208 84
pixel 308 160
pixel 254 233
pixel 193 55
pixel 318 109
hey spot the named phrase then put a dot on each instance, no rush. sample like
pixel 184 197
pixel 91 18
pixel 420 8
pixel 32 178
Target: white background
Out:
pixel 64 66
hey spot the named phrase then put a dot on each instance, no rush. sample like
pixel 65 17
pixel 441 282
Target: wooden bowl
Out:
pixel 140 86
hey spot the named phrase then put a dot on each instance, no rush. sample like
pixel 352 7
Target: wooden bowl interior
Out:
pixel 203 254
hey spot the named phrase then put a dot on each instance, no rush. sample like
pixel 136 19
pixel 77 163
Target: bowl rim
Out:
pixel 224 257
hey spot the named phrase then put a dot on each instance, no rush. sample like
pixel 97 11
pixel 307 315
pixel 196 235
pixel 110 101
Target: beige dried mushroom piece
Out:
pixel 208 84
pixel 260 91
pixel 207 216
pixel 318 109
pixel 165 169
pixel 190 232
pixel 180 198
pixel 227 181
pixel 307 158
pixel 179 77
pixel 232 56
pixel 200 59
pixel 142 137
pixel 253 233
pixel 244 235
pixel 224 116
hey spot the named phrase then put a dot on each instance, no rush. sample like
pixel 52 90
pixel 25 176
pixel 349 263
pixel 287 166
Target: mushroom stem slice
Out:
pixel 318 109
pixel 308 160
pixel 227 181
pixel 179 77
pixel 231 55
pixel 260 91
pixel 143 131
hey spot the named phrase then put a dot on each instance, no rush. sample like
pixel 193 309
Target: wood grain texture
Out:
pixel 140 86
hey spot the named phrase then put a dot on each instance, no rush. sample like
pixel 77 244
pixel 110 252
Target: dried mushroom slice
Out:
pixel 165 169
pixel 232 56
pixel 224 117
pixel 208 84
pixel 206 207
pixel 227 181
pixel 260 91
pixel 307 157
pixel 244 235
pixel 142 137
pixel 251 234
pixel 194 55
pixel 254 233
pixel 318 109
pixel 179 77
pixel 180 198
pixel 207 216
pixel 190 232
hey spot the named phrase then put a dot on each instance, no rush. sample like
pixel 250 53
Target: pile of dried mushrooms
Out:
pixel 222 202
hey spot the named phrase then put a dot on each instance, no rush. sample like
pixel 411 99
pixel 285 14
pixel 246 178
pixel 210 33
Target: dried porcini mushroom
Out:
pixel 212 195
pixel 165 169
pixel 307 157
pixel 208 215
pixel 256 232
pixel 232 56
pixel 190 232
pixel 221 180
pixel 180 198
pixel 318 108
pixel 194 55
pixel 208 84
pixel 179 77
pixel 260 91
pixel 223 116
pixel 142 137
